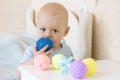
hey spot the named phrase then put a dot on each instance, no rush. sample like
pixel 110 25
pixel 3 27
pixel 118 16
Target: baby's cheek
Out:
pixel 57 40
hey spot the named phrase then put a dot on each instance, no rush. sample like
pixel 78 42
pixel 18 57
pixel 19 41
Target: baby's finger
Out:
pixel 48 53
pixel 35 50
pixel 43 49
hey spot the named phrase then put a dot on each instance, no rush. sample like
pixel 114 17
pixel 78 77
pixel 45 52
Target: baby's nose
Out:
pixel 48 34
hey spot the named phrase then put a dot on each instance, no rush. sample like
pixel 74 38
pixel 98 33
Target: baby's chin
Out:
pixel 57 47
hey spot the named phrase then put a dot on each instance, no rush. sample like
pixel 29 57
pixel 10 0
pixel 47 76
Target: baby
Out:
pixel 52 22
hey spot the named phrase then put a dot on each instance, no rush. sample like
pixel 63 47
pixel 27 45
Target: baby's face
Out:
pixel 53 27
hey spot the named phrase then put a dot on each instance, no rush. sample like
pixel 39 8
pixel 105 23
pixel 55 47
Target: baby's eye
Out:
pixel 55 30
pixel 43 29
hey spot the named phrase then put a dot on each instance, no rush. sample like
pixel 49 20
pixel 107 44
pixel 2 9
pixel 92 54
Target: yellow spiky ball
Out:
pixel 91 66
pixel 56 59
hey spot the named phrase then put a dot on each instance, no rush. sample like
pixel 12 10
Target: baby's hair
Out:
pixel 54 9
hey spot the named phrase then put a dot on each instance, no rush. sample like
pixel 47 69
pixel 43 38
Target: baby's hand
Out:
pixel 42 51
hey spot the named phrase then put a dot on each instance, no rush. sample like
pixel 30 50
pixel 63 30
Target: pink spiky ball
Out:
pixel 41 62
pixel 78 69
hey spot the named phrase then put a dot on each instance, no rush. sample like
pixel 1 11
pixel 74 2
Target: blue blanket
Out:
pixel 12 46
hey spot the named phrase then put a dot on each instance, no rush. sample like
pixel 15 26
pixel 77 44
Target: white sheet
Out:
pixel 106 70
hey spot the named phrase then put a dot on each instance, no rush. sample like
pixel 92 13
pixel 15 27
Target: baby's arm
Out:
pixel 31 61
pixel 42 51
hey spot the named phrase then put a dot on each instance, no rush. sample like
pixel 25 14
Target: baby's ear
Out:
pixel 66 30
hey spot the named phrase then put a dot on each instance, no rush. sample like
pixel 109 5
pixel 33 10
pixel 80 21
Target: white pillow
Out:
pixel 73 37
pixel 80 35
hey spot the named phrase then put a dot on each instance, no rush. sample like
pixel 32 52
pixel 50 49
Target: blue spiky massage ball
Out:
pixel 42 42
